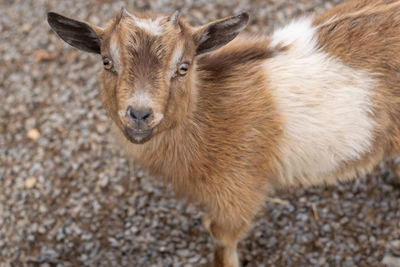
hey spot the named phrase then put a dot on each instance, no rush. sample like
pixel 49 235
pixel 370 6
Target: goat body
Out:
pixel 316 101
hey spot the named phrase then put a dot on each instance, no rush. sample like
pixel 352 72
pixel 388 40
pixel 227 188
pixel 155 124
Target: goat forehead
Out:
pixel 144 60
pixel 152 33
pixel 153 26
pixel 144 51
pixel 137 42
pixel 140 54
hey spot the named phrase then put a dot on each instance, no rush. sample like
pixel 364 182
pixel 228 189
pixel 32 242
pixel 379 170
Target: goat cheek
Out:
pixel 108 98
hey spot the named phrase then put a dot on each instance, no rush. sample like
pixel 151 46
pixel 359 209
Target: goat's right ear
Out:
pixel 76 33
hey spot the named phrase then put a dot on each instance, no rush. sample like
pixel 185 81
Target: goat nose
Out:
pixel 139 115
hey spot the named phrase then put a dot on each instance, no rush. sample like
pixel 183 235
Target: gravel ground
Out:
pixel 68 197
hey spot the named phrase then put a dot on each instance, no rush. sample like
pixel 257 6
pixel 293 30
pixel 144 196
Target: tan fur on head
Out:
pixel 233 119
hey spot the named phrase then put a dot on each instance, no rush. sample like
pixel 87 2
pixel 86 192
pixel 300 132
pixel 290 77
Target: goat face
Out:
pixel 148 65
pixel 146 76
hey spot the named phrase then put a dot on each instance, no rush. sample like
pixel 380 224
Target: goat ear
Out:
pixel 76 33
pixel 218 33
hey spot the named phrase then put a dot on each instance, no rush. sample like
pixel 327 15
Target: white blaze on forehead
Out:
pixel 175 59
pixel 114 51
pixel 152 26
pixel 325 104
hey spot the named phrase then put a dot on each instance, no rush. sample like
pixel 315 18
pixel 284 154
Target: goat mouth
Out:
pixel 138 136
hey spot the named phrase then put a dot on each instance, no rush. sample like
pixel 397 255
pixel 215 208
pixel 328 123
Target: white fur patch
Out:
pixel 114 51
pixel 299 31
pixel 175 60
pixel 152 26
pixel 325 105
pixel 121 113
pixel 233 259
pixel 141 99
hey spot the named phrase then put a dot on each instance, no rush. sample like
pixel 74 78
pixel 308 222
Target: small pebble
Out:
pixel 33 134
pixel 30 182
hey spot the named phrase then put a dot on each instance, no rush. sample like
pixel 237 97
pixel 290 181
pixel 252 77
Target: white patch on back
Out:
pixel 299 31
pixel 326 106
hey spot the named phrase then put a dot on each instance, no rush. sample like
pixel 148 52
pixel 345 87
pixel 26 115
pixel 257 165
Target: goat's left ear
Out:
pixel 218 33
pixel 79 34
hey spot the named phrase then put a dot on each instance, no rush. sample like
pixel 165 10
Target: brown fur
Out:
pixel 218 143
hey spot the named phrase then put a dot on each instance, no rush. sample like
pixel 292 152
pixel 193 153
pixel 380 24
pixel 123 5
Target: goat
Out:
pixel 226 119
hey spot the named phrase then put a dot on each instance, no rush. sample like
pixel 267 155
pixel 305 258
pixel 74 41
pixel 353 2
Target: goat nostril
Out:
pixel 146 116
pixel 131 113
pixel 139 115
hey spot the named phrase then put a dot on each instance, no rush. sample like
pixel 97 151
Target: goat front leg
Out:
pixel 231 206
pixel 225 234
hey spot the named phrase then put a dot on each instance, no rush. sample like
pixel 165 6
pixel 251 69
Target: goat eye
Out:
pixel 183 68
pixel 107 63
